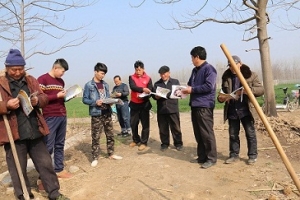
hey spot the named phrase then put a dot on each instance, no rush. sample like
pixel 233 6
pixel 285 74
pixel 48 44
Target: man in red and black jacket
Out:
pixel 140 83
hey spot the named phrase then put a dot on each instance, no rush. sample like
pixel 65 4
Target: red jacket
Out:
pixel 5 92
pixel 137 84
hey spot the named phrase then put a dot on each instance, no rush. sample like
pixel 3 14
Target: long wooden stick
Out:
pixel 263 118
pixel 15 155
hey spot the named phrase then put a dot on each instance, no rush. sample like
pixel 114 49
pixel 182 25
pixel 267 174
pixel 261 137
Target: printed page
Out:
pixel 176 92
pixel 72 92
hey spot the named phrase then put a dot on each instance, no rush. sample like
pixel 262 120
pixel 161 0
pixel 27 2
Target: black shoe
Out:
pixel 207 164
pixel 164 147
pixel 197 161
pixel 179 148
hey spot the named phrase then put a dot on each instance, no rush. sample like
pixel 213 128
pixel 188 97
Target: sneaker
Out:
pixel 142 147
pixel 61 197
pixel 251 161
pixel 179 148
pixel 164 147
pixel 125 134
pixel 132 144
pixel 197 161
pixel 115 157
pixel 63 174
pixel 94 163
pixel 207 164
pixel 232 160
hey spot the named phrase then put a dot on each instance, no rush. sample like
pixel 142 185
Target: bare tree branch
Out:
pixel 40 19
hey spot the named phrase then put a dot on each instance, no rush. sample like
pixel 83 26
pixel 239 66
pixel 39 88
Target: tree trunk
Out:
pixel 22 31
pixel 263 41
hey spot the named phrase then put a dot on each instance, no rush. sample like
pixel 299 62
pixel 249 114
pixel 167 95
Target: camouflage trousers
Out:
pixel 98 124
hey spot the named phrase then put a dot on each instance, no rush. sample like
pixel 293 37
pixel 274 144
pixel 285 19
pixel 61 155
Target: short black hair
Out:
pixel 62 62
pixel 199 51
pixel 117 76
pixel 163 69
pixel 139 64
pixel 100 67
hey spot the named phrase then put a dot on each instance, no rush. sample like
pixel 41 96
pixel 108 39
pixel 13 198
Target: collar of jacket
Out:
pixel 245 70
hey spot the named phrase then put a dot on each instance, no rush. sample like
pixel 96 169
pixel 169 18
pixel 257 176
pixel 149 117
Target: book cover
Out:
pixel 177 93
pixel 25 102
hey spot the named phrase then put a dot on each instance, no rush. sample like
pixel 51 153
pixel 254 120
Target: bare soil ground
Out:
pixel 168 175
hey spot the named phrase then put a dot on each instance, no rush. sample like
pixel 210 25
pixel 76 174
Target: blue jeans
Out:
pixel 123 116
pixel 234 139
pixel 55 140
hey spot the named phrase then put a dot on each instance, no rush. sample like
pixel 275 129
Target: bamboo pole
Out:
pixel 15 155
pixel 263 118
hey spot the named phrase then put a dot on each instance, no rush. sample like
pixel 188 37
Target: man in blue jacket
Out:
pixel 95 91
pixel 168 112
pixel 202 90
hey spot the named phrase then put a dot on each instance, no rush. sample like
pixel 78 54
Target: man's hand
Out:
pixel 61 94
pixel 99 102
pixel 187 90
pixel 146 90
pixel 34 100
pixel 13 104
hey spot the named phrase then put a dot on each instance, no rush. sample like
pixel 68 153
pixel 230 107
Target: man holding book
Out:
pixel 55 113
pixel 27 129
pixel 238 110
pixel 168 111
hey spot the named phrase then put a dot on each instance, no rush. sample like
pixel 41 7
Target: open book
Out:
pixel 232 95
pixel 160 91
pixel 25 102
pixel 177 93
pixel 112 100
pixel 72 92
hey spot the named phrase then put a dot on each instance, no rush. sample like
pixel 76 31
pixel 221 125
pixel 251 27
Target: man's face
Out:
pixel 15 72
pixel 117 81
pixel 59 71
pixel 165 76
pixel 99 75
pixel 139 71
pixel 231 68
pixel 195 60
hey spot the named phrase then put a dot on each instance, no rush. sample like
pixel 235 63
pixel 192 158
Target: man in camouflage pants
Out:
pixel 95 91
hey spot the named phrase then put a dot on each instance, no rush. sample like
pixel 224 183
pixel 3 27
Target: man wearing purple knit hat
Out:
pixel 27 129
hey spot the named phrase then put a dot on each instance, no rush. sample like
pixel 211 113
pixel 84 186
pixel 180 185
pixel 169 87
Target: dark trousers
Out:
pixel 123 116
pixel 135 117
pixel 55 140
pixel 234 141
pixel 167 122
pixel 42 161
pixel 203 122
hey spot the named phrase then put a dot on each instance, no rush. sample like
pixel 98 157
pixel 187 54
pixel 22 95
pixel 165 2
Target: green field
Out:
pixel 76 109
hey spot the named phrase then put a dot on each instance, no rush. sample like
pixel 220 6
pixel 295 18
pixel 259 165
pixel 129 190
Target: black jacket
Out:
pixel 166 106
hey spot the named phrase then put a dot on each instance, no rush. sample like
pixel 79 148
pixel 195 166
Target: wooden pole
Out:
pixel 263 118
pixel 15 155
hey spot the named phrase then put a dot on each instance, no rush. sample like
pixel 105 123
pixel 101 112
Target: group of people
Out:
pixel 42 134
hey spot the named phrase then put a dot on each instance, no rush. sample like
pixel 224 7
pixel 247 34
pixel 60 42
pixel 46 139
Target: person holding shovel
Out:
pixel 239 110
pixel 26 128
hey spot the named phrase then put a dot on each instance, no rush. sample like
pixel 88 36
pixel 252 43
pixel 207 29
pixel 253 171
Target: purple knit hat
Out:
pixel 14 58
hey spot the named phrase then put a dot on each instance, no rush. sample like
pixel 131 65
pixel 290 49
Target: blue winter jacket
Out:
pixel 203 83
pixel 91 95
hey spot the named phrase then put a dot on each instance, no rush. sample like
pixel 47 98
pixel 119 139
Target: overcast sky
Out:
pixel 122 35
